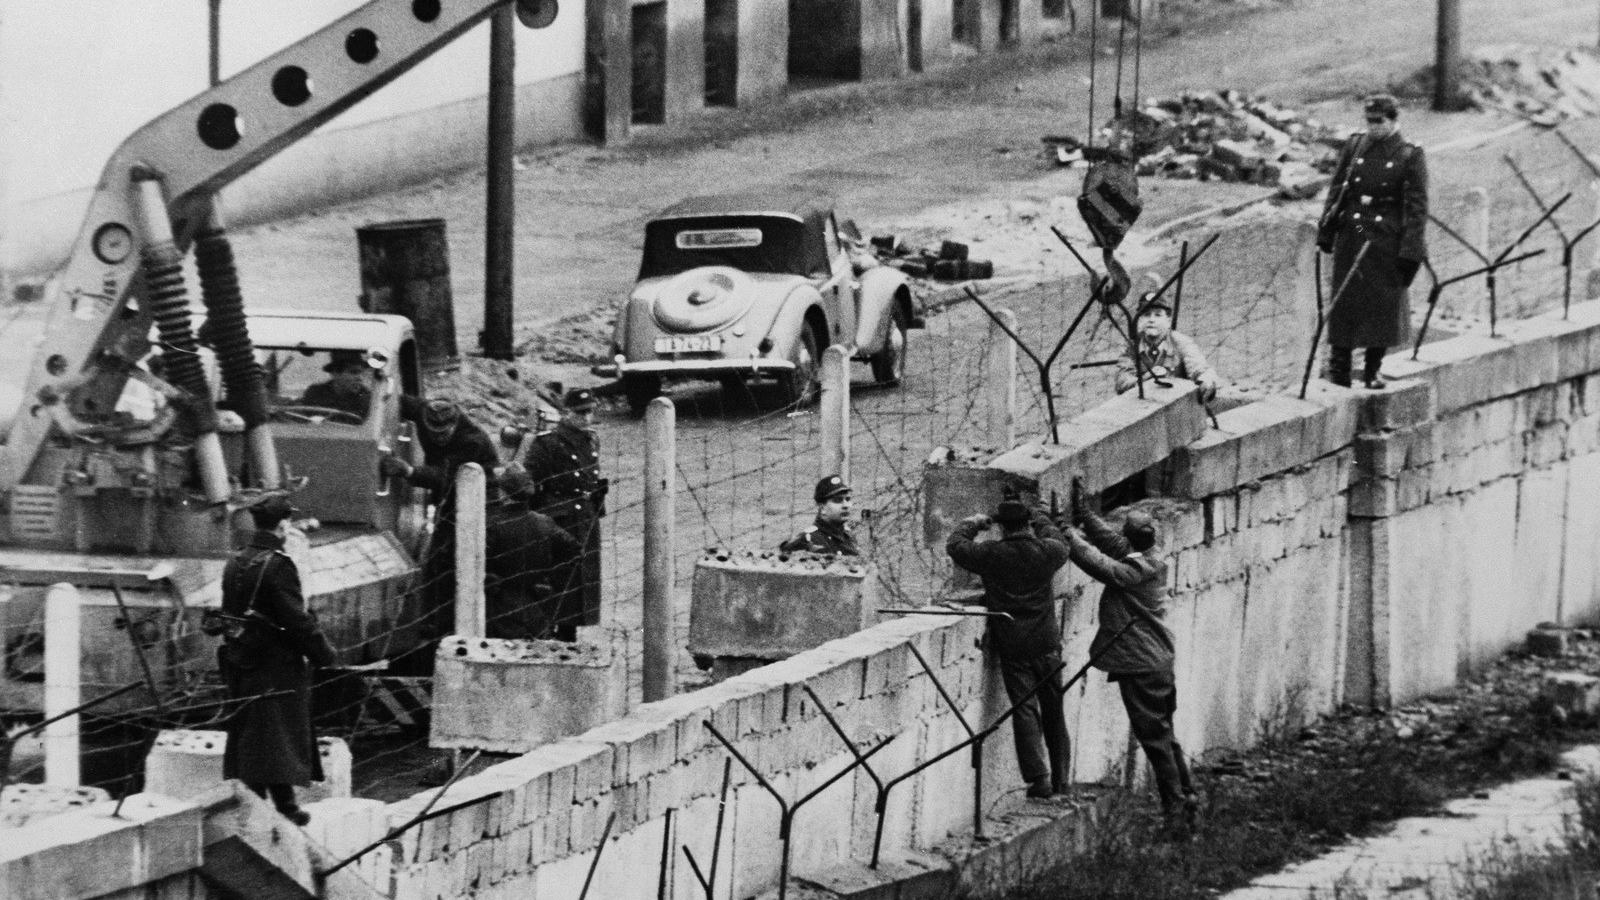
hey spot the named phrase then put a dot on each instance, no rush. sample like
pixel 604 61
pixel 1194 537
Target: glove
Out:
pixel 1207 383
pixel 1408 270
pixel 391 466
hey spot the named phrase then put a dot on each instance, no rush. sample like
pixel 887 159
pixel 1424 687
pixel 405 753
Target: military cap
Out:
pixel 344 359
pixel 579 399
pixel 271 509
pixel 830 487
pixel 1012 512
pixel 1382 105
pixel 1149 301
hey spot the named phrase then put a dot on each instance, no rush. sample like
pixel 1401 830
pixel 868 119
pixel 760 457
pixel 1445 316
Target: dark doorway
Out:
pixel 914 35
pixel 650 64
pixel 722 52
pixel 824 42
pixel 964 22
pixel 1053 9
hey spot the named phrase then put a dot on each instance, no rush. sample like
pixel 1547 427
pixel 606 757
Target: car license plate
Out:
pixel 689 343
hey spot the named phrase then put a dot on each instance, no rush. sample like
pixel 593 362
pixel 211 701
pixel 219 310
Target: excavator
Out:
pixel 148 424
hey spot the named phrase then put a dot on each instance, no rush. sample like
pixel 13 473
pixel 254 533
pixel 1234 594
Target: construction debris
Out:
pixel 946 261
pixel 1542 84
pixel 1226 135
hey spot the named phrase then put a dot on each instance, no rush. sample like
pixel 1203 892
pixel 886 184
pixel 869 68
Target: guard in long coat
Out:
pixel 564 464
pixel 266 658
pixel 1379 199
pixel 527 556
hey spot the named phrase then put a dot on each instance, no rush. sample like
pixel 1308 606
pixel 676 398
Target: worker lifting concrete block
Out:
pixel 509 695
pixel 749 608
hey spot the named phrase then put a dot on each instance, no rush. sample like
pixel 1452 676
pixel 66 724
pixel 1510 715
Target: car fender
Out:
pixel 881 288
pixel 790 318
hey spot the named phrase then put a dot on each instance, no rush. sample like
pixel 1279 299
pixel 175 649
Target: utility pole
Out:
pixel 496 340
pixel 215 58
pixel 1447 55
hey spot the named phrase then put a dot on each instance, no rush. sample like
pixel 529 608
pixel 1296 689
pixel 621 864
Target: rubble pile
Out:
pixel 1543 84
pixel 945 261
pixel 1223 135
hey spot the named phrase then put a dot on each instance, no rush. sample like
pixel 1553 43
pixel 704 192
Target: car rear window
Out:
pixel 746 243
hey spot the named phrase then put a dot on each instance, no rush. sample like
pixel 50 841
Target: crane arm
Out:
pixel 193 151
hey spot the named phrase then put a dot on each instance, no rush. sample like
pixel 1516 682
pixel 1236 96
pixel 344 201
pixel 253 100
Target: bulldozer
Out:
pixel 148 423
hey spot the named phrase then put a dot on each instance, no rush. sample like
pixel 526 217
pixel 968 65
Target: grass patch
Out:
pixel 1346 775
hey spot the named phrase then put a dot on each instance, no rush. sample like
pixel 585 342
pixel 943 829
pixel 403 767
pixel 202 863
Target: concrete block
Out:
pixel 1548 642
pixel 1112 441
pixel 1207 465
pixel 772 606
pixel 83 851
pixel 510 696
pixel 185 763
pixel 1574 695
pixel 954 488
pixel 1400 405
pixel 1469 370
pixel 1374 498
pixel 22 803
pixel 1383 454
pixel 1580 569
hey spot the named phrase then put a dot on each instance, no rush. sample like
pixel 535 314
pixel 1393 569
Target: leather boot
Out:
pixel 1372 365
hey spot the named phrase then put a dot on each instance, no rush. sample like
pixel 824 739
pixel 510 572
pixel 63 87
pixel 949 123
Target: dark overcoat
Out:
pixel 269 737
pixel 1379 197
pixel 1018 572
pixel 528 555
pixel 564 464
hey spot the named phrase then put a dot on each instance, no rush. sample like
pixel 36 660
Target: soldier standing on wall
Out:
pixel 1379 200
pixel 269 640
pixel 564 464
pixel 1018 572
pixel 830 533
pixel 1133 646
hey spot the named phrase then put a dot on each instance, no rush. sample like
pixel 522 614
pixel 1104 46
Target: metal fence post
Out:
pixel 1000 376
pixel 660 488
pixel 471 550
pixel 836 412
pixel 62 685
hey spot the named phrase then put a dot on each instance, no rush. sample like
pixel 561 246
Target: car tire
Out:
pixel 640 390
pixel 799 386
pixel 889 364
pixel 734 388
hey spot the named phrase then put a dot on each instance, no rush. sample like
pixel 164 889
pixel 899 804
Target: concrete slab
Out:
pixel 772 606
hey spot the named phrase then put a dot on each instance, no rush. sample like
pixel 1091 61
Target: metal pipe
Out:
pixel 167 301
pixel 227 331
pixel 660 473
pixel 499 189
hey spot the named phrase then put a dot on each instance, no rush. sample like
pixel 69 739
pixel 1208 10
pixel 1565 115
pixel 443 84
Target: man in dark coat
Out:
pixel 526 553
pixel 1018 571
pixel 830 533
pixel 449 441
pixel 266 658
pixel 564 464
pixel 1133 646
pixel 347 390
pixel 1379 199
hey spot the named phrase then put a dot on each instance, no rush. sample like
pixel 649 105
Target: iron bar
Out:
pixel 722 809
pixel 698 875
pixel 666 856
pixel 1439 287
pixel 1594 168
pixel 1568 244
pixel 926 611
pixel 1316 336
pixel 138 648
pixel 1316 333
pixel 1177 294
pixel 426 814
pixel 787 810
pixel 605 835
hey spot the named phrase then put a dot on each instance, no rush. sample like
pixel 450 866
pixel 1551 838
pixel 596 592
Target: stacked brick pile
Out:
pixel 1538 83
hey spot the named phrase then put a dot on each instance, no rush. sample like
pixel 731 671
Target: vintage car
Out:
pixel 735 288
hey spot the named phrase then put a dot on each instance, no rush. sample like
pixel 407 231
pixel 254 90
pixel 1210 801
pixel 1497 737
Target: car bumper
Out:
pixel 691 367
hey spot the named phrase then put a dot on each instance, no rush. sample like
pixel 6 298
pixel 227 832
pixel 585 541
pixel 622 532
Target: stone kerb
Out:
pixel 511 695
